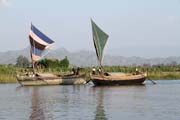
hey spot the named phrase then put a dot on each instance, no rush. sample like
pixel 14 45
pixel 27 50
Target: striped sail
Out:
pixel 39 43
pixel 99 38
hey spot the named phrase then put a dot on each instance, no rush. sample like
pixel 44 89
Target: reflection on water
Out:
pixel 85 102
pixel 37 105
pixel 39 110
pixel 100 112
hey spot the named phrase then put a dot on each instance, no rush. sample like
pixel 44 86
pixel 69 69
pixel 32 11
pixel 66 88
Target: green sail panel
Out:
pixel 100 38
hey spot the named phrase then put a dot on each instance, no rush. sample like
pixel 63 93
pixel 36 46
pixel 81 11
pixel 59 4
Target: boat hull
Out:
pixel 38 81
pixel 118 80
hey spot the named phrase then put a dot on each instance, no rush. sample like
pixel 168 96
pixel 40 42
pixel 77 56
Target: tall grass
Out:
pixel 8 72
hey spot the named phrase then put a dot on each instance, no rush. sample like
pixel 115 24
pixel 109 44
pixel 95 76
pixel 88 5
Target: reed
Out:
pixel 7 79
pixel 8 72
pixel 164 75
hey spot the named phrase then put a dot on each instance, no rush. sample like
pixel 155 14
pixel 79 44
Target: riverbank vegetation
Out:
pixel 8 72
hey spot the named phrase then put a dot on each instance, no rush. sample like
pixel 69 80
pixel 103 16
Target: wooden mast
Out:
pixel 33 63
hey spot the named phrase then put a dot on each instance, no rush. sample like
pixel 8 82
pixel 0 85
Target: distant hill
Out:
pixel 87 58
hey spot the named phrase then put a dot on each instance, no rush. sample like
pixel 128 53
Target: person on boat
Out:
pixel 137 71
pixel 77 70
pixel 99 71
pixel 93 71
pixel 26 73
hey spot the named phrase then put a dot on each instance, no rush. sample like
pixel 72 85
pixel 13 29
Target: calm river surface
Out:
pixel 85 102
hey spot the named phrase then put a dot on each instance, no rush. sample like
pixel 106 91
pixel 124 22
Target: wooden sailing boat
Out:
pixel 100 38
pixel 39 42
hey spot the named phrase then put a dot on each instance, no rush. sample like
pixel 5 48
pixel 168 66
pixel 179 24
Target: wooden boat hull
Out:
pixel 118 80
pixel 53 80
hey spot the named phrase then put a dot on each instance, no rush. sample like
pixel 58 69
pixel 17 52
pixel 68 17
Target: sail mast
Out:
pixel 31 52
pixel 33 63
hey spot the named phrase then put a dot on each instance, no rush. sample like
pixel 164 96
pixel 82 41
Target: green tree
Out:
pixel 43 63
pixel 22 61
pixel 64 63
pixel 54 63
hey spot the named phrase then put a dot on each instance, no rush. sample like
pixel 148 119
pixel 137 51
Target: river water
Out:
pixel 85 102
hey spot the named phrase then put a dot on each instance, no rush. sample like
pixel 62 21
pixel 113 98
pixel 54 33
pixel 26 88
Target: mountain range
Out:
pixel 88 58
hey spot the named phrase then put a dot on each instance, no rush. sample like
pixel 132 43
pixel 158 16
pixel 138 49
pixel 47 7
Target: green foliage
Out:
pixel 43 62
pixel 64 63
pixel 8 72
pixel 7 69
pixel 49 63
pixel 22 61
pixel 54 63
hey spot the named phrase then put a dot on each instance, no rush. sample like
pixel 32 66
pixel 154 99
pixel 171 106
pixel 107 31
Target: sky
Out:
pixel 144 28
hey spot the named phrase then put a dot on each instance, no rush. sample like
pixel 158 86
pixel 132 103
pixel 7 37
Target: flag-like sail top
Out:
pixel 100 38
pixel 39 42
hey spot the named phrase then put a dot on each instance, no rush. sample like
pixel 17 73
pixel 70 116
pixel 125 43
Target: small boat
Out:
pixel 39 43
pixel 100 38
pixel 50 79
pixel 110 79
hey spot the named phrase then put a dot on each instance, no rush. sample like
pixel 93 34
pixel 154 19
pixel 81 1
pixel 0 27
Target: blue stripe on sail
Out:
pixel 36 51
pixel 41 35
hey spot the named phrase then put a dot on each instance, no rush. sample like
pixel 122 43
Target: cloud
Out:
pixel 5 3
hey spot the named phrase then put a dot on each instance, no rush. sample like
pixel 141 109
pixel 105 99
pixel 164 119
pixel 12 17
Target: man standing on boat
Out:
pixel 77 71
pixel 93 70
pixel 100 71
pixel 137 71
